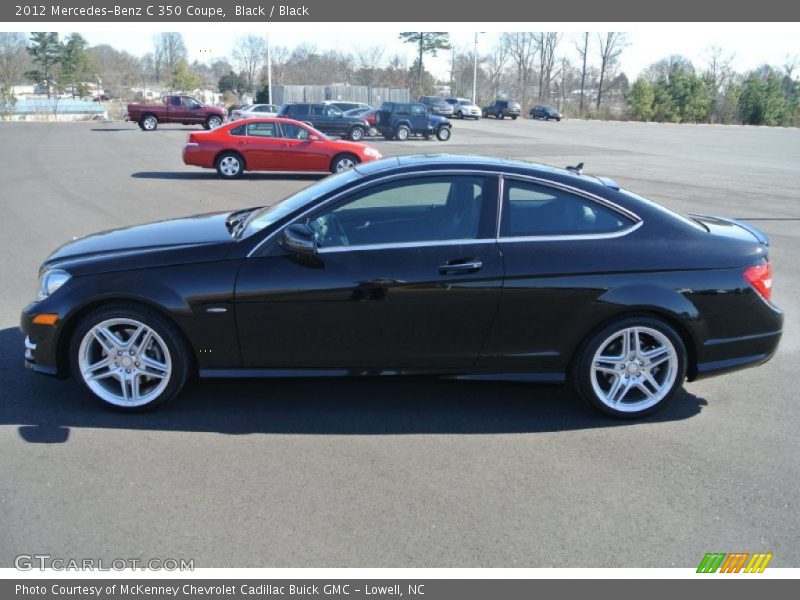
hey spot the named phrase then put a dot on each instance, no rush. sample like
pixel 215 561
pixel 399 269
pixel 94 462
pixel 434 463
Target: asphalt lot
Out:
pixel 372 473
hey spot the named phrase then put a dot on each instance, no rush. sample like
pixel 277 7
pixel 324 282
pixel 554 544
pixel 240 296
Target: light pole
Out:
pixel 475 69
pixel 269 72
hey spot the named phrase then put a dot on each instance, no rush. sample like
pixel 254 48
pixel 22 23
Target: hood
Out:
pixel 437 120
pixel 177 236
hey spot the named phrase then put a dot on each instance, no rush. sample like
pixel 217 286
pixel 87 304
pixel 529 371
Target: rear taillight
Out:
pixel 760 277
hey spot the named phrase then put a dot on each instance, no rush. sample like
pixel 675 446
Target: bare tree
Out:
pixel 495 66
pixel 250 54
pixel 546 42
pixel 611 46
pixel 368 61
pixel 169 51
pixel 522 50
pixel 582 45
pixel 14 60
pixel 791 63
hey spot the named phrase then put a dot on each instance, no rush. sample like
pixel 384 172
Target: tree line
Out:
pixel 578 73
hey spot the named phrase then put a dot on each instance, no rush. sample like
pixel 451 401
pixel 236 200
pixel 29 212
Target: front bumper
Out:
pixel 41 343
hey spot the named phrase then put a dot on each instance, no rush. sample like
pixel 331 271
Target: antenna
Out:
pixel 577 169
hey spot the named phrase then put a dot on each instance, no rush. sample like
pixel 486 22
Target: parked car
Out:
pixel 369 115
pixel 346 106
pixel 402 119
pixel 437 106
pixel 449 265
pixel 255 110
pixel 326 118
pixel 272 144
pixel 545 113
pixel 175 109
pixel 464 108
pixel 501 109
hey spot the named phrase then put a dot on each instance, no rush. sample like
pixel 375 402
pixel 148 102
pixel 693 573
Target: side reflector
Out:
pixel 45 319
pixel 760 277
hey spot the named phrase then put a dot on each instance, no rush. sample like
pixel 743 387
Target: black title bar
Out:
pixel 463 11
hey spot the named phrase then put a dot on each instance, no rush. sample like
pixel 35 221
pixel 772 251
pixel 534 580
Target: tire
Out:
pixel 513 117
pixel 460 115
pixel 402 133
pixel 373 132
pixel 499 116
pixel 356 134
pixel 443 134
pixel 148 122
pixel 343 162
pixel 139 359
pixel 229 165
pixel 633 380
pixel 212 122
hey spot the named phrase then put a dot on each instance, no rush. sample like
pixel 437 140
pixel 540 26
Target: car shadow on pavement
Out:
pixel 45 409
pixel 213 175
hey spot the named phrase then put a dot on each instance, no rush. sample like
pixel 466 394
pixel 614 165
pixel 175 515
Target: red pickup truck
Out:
pixel 175 109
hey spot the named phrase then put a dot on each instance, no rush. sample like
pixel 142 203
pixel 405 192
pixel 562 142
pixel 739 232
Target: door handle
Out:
pixel 462 265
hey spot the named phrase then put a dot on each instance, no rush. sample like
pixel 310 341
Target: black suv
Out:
pixel 502 109
pixel 401 119
pixel 437 106
pixel 546 113
pixel 327 119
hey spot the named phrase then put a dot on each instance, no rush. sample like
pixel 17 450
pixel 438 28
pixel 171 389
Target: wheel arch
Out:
pixel 72 320
pixel 675 321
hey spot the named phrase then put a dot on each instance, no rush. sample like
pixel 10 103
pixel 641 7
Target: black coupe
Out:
pixel 456 266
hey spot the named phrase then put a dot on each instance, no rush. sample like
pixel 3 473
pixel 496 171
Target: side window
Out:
pixel 293 132
pixel 261 129
pixel 319 111
pixel 418 109
pixel 175 101
pixel 334 112
pixel 298 110
pixel 238 130
pixel 530 209
pixel 402 109
pixel 426 209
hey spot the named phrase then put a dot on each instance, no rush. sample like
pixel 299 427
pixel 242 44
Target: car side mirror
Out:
pixel 299 239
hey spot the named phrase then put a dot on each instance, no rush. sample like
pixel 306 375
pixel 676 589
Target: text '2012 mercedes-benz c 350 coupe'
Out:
pixel 458 266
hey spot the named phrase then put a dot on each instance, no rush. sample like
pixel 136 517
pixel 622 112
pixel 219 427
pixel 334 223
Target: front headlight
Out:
pixel 372 152
pixel 50 281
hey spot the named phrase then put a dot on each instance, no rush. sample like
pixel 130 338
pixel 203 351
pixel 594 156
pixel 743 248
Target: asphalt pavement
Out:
pixel 388 472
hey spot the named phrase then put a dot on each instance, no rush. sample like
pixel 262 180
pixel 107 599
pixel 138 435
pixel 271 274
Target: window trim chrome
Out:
pixel 501 177
pixel 359 187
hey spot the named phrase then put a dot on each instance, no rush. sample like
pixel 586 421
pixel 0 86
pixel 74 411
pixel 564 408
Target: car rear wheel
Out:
pixel 402 133
pixel 631 368
pixel 230 165
pixel 343 162
pixel 460 115
pixel 356 134
pixel 373 132
pixel 148 123
pixel 213 122
pixel 443 134
pixel 129 357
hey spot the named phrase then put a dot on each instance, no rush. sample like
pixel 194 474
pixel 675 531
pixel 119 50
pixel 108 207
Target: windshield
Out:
pixel 272 214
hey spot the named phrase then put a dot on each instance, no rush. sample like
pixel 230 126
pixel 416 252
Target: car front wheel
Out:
pixel 343 162
pixel 402 133
pixel 213 122
pixel 357 134
pixel 631 368
pixel 443 134
pixel 129 357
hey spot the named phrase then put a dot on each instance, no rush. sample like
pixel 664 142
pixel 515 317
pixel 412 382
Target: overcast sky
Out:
pixel 752 44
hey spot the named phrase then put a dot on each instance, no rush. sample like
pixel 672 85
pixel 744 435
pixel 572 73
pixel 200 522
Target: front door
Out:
pixel 408 275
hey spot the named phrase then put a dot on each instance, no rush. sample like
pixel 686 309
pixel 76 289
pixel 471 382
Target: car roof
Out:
pixel 476 162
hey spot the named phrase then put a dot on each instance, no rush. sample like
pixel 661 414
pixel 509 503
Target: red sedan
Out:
pixel 272 144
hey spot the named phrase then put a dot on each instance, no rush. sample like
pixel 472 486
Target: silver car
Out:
pixel 464 108
pixel 255 110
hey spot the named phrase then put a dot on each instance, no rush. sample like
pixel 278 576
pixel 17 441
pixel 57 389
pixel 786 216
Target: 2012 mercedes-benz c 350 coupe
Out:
pixel 458 266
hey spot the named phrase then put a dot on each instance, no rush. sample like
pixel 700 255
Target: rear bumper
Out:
pixel 193 155
pixel 721 356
